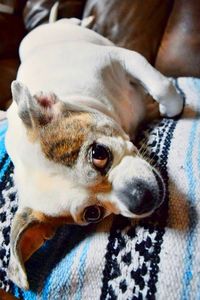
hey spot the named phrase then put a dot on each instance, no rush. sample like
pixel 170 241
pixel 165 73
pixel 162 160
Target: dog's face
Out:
pixel 79 165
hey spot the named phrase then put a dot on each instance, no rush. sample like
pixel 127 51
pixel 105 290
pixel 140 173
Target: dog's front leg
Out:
pixel 159 87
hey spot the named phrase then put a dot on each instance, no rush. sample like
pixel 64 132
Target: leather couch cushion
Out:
pixel 11 33
pixel 137 25
pixel 8 70
pixel 37 12
pixel 179 52
pixel 166 32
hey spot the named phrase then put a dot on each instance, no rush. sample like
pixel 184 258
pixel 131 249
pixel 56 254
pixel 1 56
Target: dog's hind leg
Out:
pixel 156 84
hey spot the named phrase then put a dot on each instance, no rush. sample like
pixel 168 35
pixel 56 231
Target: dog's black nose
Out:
pixel 139 197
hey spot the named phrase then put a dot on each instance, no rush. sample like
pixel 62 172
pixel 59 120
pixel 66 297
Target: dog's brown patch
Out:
pixel 62 138
pixel 102 187
pixel 33 238
pixel 111 207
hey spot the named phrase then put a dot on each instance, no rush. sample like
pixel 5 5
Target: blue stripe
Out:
pixel 15 291
pixel 63 272
pixel 19 293
pixel 3 129
pixel 81 269
pixel 29 295
pixel 4 169
pixel 2 150
pixel 192 183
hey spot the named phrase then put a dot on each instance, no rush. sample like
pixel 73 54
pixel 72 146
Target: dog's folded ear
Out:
pixel 37 110
pixel 28 234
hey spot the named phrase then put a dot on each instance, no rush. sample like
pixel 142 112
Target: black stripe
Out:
pixel 5 184
pixel 161 216
pixel 5 180
pixel 155 224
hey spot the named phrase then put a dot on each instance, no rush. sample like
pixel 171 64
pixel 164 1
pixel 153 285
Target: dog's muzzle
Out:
pixel 138 188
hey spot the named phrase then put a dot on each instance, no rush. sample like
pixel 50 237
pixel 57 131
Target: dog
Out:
pixel 77 103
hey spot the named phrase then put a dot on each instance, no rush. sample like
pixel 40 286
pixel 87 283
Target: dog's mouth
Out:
pixel 161 188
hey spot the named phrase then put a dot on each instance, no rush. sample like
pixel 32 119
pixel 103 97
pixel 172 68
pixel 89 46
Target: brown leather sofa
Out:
pixel 166 32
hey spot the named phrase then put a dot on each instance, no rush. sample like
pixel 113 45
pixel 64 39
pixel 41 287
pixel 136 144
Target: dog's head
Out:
pixel 77 164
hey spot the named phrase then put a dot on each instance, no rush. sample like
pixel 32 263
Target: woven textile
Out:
pixel 155 258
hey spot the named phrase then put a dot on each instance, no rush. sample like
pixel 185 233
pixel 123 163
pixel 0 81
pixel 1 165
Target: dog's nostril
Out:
pixel 142 201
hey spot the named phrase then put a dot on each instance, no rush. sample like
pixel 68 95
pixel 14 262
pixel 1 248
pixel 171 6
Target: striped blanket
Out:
pixel 155 258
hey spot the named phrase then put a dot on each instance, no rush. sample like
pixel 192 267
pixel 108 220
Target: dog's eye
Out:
pixel 93 214
pixel 100 156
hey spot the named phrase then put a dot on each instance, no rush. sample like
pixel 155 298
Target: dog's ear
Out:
pixel 37 110
pixel 28 234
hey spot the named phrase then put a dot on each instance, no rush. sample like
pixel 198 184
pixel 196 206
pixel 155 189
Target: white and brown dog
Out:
pixel 78 101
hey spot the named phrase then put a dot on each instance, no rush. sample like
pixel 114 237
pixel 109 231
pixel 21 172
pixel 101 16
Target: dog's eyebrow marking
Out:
pixel 59 155
pixel 61 140
pixel 69 158
pixel 62 145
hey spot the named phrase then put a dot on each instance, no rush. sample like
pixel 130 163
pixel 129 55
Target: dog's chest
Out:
pixel 71 68
pixel 81 71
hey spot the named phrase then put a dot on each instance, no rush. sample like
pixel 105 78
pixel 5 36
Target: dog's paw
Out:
pixel 172 104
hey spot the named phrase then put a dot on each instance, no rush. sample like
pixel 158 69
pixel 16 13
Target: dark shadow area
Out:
pixel 53 251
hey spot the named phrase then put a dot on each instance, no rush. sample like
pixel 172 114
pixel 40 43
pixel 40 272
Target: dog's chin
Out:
pixel 161 187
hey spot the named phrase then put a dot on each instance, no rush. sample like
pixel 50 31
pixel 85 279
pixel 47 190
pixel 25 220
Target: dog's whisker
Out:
pixel 149 157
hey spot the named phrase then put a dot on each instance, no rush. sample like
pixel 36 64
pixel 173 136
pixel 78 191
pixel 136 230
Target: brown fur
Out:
pixel 62 139
pixel 6 296
pixel 102 187
pixel 111 207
